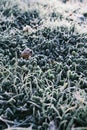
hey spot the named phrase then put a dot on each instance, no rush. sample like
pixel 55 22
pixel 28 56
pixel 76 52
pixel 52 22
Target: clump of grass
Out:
pixel 51 85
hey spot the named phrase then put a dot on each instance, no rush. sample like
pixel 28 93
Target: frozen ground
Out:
pixel 49 90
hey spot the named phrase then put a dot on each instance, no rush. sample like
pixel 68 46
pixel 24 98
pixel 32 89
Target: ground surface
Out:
pixel 48 91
